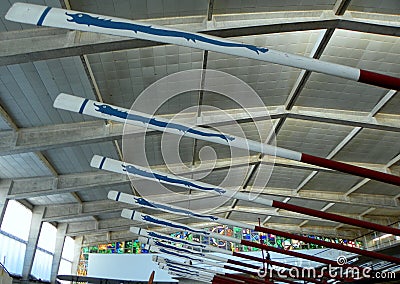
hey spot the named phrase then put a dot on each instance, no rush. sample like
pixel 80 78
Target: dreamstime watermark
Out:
pixel 339 271
pixel 217 100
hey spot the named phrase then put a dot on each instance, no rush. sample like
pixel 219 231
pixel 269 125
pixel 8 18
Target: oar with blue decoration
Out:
pixel 177 271
pixel 194 256
pixel 161 243
pixel 168 247
pixel 142 202
pixel 193 259
pixel 74 20
pixel 116 166
pixel 174 264
pixel 148 219
pixel 187 273
pixel 107 111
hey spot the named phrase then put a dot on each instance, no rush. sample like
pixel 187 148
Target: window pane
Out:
pixel 65 267
pixel 68 250
pixel 47 238
pixel 41 268
pixel 12 254
pixel 17 220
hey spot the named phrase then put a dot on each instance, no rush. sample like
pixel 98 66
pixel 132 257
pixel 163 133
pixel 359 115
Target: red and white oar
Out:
pixel 156 221
pixel 161 243
pixel 189 268
pixel 139 201
pixel 74 20
pixel 116 166
pixel 196 256
pixel 111 112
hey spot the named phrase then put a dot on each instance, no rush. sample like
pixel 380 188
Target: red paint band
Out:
pixel 336 218
pixel 330 245
pixel 221 280
pixel 380 80
pixel 350 169
pixel 247 279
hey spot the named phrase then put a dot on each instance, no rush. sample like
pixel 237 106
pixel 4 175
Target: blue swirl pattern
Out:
pixel 86 19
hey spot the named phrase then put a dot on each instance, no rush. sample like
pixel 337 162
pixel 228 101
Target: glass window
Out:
pixel 12 253
pixel 47 238
pixel 14 236
pixel 68 249
pixel 65 267
pixel 17 220
pixel 41 268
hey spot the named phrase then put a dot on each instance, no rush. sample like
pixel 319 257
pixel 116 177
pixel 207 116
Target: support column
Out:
pixel 36 226
pixel 77 253
pixel 60 239
pixel 5 188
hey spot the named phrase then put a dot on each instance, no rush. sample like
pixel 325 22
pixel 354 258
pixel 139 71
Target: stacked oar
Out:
pixel 158 240
pixel 54 17
pixel 101 110
pixel 106 111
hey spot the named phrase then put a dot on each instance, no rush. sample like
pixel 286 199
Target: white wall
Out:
pixel 125 267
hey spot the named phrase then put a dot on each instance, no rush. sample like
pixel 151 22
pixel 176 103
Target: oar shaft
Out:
pixel 149 219
pixel 350 169
pixel 120 167
pixel 336 218
pixel 134 200
pixel 106 111
pixel 140 217
pixel 68 19
pixel 330 245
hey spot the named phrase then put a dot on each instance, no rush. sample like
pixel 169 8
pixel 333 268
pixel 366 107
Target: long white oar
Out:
pixel 74 20
pixel 163 237
pixel 192 259
pixel 184 272
pixel 107 111
pixel 156 235
pixel 157 176
pixel 133 200
pixel 185 267
pixel 145 218
pixel 165 248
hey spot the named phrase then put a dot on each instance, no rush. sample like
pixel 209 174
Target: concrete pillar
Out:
pixel 77 253
pixel 5 187
pixel 36 226
pixel 60 239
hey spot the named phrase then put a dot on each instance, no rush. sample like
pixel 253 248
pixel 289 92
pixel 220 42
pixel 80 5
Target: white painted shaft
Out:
pixel 74 20
pixel 123 115
pixel 157 176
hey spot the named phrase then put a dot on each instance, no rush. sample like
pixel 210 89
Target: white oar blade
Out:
pixel 68 102
pixel 25 13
